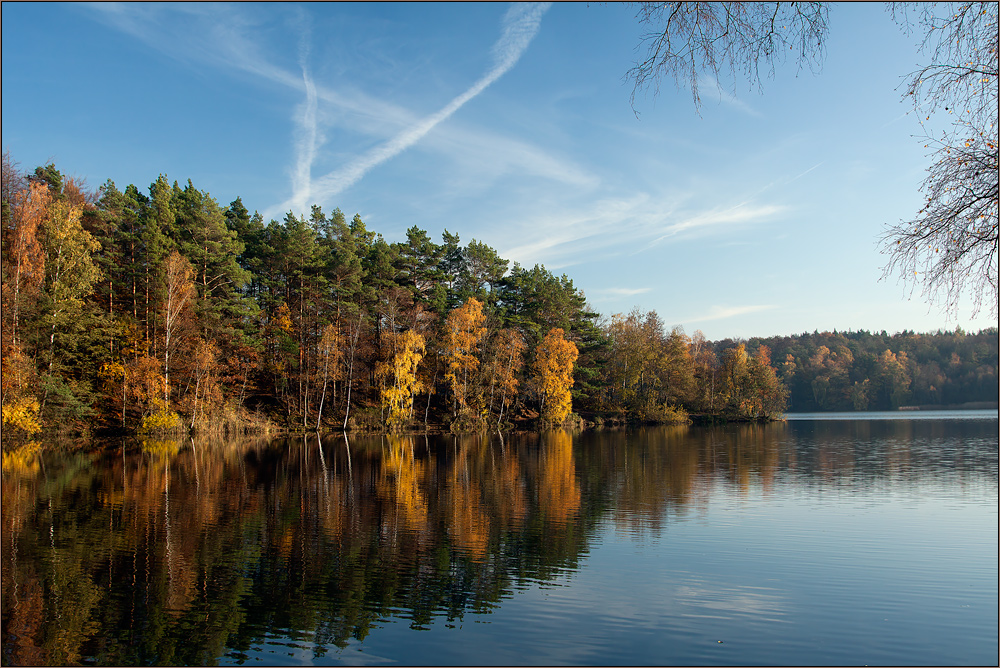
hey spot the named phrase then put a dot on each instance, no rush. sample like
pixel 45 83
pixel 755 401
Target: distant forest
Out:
pixel 848 371
pixel 162 310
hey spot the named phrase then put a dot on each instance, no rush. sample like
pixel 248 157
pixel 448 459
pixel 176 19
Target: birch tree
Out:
pixel 180 289
pixel 553 369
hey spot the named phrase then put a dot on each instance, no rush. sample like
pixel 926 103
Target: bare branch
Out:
pixel 950 248
pixel 685 39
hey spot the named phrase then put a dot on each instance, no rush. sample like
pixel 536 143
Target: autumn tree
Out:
pixel 282 350
pixel 179 292
pixel 25 265
pixel 464 328
pixel 23 274
pixel 536 301
pixel 399 376
pixel 118 373
pixel 830 369
pixel 144 387
pixel 749 388
pixel 553 376
pixel 70 273
pixel 893 379
pixel 508 359
pixel 624 370
pixel 205 397
pixel 331 352
pixel 20 407
pixel 649 374
pixel 706 374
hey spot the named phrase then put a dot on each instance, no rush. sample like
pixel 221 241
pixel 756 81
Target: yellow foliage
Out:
pixel 113 373
pixel 283 319
pixel 463 330
pixel 22 414
pixel 400 481
pixel 71 267
pixel 509 360
pixel 161 447
pixel 558 489
pixel 160 421
pixel 133 342
pixel 331 348
pixel 18 375
pixel 553 367
pixel 399 375
pixel 22 460
pixel 144 382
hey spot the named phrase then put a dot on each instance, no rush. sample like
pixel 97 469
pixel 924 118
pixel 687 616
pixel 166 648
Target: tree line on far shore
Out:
pixel 162 310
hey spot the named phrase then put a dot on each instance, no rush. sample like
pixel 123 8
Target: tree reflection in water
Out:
pixel 167 552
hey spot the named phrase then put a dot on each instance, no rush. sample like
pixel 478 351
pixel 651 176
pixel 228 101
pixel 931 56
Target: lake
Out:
pixel 824 539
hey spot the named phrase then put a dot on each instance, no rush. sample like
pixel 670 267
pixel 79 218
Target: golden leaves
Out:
pixel 553 367
pixel 463 331
pixel 22 414
pixel 399 375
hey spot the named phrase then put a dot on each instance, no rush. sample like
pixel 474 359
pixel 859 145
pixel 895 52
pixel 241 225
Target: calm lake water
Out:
pixel 869 539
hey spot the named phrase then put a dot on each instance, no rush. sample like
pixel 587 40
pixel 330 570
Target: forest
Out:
pixel 848 371
pixel 161 310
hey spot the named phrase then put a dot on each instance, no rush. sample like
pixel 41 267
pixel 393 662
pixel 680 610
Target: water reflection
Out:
pixel 169 551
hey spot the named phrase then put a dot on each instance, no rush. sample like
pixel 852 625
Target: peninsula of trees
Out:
pixel 159 310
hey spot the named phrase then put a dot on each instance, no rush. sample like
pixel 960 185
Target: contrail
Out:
pixel 305 146
pixel 307 140
pixel 520 25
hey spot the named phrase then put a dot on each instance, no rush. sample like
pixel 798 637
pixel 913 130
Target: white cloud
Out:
pixel 612 293
pixel 520 25
pixel 567 237
pixel 227 36
pixel 709 88
pixel 723 312
pixel 632 224
pixel 736 215
pixel 233 37
pixel 484 156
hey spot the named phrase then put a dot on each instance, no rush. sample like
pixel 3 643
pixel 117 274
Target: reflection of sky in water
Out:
pixel 741 600
pixel 810 541
pixel 775 580
pixel 898 415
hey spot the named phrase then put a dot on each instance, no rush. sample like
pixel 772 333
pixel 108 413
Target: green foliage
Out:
pixel 94 332
pixel 750 389
pixel 843 371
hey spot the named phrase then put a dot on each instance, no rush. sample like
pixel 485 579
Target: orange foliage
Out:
pixel 468 524
pixel 508 361
pixel 558 490
pixel 400 481
pixel 27 255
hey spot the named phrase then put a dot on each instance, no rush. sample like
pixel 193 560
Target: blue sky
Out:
pixel 509 124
